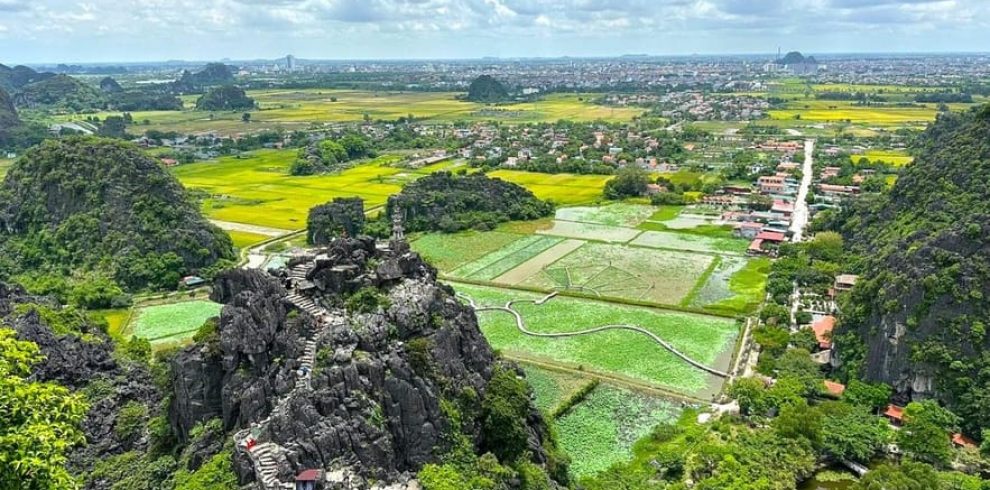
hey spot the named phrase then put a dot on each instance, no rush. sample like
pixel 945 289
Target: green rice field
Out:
pixel 450 251
pixel 601 430
pixel 243 239
pixel 506 258
pixel 625 354
pixel 171 322
pixel 891 157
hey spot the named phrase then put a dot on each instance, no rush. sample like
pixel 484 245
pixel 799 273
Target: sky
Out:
pixel 51 31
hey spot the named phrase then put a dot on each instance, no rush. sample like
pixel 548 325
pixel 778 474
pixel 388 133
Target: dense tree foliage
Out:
pixel 92 205
pixel 628 182
pixel 924 262
pixel 331 154
pixel 446 202
pixel 487 89
pixel 60 92
pixel 225 98
pixel 39 422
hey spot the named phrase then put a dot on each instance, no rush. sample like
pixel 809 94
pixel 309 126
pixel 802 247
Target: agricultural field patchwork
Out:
pixel 601 430
pixel 618 214
pixel 625 354
pixel 505 259
pixel 450 251
pixel 171 322
pixel 891 157
pixel 618 271
pixel 692 242
pixel 291 109
pixel 552 387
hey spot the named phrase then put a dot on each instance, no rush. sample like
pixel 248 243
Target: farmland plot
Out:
pixel 500 261
pixel 707 339
pixel 450 251
pixel 601 430
pixel 619 271
pixel 618 214
pixel 591 231
pixel 173 321
pixel 552 387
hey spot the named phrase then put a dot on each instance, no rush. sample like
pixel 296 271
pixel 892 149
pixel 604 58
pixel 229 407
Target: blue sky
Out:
pixel 146 30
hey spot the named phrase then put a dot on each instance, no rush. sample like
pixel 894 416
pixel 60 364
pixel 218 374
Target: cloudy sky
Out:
pixel 150 30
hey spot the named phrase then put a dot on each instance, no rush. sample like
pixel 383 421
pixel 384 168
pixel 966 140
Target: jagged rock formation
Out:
pixel 80 358
pixel 342 215
pixel 82 204
pixel 343 363
pixel 446 202
pixel 487 89
pixel 918 317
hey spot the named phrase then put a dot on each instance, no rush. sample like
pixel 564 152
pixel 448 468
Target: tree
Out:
pixel 246 117
pixel 871 396
pixel 924 436
pixel 630 181
pixel 906 476
pixel 827 245
pixel 503 415
pixel 114 127
pixel 851 432
pixel 40 422
pixel 798 420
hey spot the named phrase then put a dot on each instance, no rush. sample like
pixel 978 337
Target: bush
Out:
pixel 366 300
pixel 130 420
pixel 505 410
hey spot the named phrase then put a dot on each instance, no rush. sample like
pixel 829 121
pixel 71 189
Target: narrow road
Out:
pixel 521 325
pixel 800 218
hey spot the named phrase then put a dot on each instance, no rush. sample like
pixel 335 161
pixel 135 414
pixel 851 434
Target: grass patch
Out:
pixel 705 338
pixel 116 321
pixel 747 286
pixel 449 251
pixel 601 430
pixel 172 322
pixel 243 239
pixel 890 157
pixel 666 212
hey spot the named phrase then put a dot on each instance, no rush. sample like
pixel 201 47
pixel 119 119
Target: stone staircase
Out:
pixel 264 455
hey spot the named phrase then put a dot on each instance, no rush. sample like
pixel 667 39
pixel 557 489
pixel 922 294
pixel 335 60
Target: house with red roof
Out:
pixel 823 331
pixel 834 389
pixel 963 442
pixel 895 414
pixel 771 236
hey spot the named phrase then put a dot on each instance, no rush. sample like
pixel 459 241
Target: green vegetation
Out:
pixel 487 89
pixel 630 181
pixel 625 354
pixel 551 388
pixel 450 251
pixel 343 215
pixel 171 322
pixel 921 254
pixel 331 154
pixel 601 430
pixel 446 202
pixel 687 241
pixel 244 239
pixel 505 259
pixel 40 423
pixel 225 98
pixel 560 189
pixel 131 222
pixel 616 214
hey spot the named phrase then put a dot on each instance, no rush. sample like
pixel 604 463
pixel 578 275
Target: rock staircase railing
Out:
pixel 264 455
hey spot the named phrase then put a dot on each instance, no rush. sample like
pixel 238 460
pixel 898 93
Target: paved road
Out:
pixel 800 218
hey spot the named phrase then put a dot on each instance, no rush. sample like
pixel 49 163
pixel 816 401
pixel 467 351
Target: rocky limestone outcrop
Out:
pixel 83 360
pixel 371 407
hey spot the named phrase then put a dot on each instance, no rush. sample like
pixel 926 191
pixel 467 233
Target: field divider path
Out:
pixel 521 325
pixel 533 266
